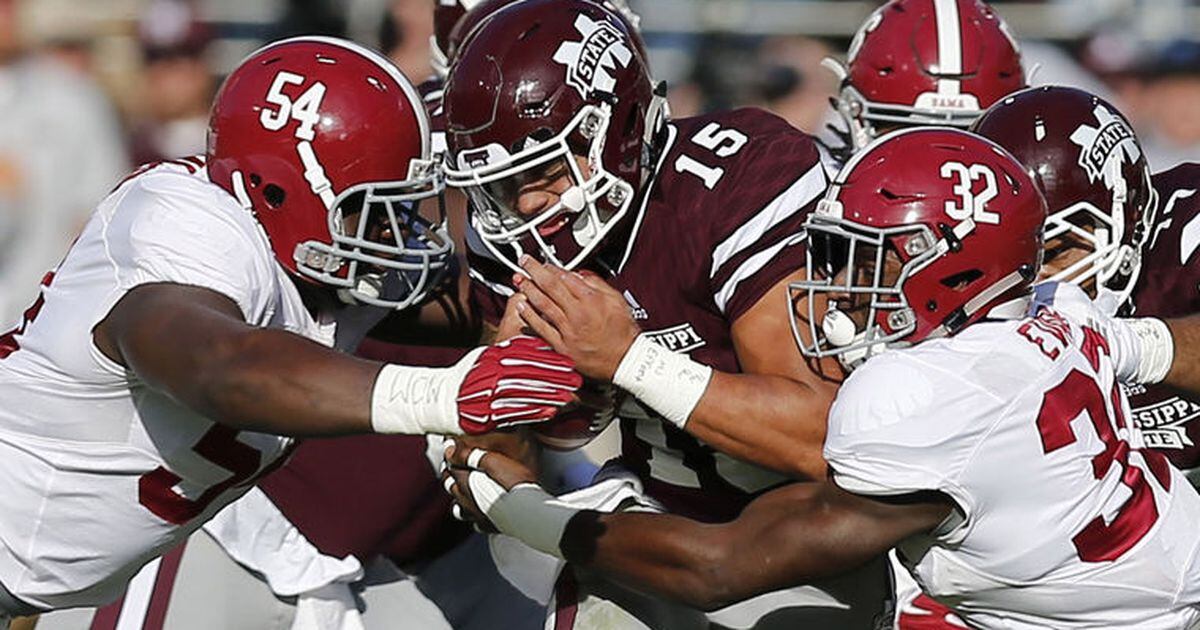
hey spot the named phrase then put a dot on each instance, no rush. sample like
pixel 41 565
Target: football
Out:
pixel 580 423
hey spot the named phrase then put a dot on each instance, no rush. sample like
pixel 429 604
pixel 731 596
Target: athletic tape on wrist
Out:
pixel 1158 349
pixel 526 512
pixel 417 400
pixel 670 383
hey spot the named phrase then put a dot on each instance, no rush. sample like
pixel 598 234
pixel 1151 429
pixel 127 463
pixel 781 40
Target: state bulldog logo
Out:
pixel 592 62
pixel 1110 140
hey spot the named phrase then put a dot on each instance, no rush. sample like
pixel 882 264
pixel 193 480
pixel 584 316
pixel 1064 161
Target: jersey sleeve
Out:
pixel 767 191
pixel 1124 343
pixel 1168 284
pixel 168 229
pixel 894 429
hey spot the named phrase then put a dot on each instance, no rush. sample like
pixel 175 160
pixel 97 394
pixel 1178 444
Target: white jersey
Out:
pixel 1062 522
pixel 100 472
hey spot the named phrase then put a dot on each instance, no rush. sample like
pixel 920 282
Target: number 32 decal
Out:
pixel 971 205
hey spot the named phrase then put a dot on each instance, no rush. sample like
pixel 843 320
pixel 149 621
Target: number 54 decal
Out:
pixel 305 110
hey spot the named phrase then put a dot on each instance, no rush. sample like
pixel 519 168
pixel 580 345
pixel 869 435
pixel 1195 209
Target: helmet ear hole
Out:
pixel 274 195
pixel 961 280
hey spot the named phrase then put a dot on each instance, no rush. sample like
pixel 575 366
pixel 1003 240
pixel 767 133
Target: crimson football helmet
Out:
pixel 925 62
pixel 545 89
pixel 922 233
pixel 327 143
pixel 1084 155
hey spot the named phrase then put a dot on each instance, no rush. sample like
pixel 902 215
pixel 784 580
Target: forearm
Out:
pixel 788 537
pixel 1185 368
pixel 199 352
pixel 275 382
pixel 658 553
pixel 772 421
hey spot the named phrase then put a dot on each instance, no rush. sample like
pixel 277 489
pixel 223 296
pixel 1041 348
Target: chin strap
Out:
pixel 959 318
pixel 654 135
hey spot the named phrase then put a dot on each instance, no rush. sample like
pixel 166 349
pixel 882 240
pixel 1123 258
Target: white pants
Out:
pixel 459 590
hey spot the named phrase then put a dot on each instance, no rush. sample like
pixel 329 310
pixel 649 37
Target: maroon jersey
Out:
pixel 1169 286
pixel 719 226
pixel 365 495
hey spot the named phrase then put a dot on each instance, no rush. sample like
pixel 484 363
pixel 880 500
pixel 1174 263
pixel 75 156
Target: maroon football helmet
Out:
pixel 455 20
pixel 1084 156
pixel 539 87
pixel 451 26
pixel 922 233
pixel 446 14
pixel 926 62
pixel 328 144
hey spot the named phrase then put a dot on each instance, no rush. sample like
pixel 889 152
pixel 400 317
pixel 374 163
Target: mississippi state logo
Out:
pixel 1164 423
pixel 591 63
pixel 1111 139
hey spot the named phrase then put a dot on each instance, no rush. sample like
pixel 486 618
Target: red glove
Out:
pixel 519 381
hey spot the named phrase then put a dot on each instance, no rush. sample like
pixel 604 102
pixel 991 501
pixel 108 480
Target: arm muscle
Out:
pixel 192 344
pixel 785 400
pixel 786 537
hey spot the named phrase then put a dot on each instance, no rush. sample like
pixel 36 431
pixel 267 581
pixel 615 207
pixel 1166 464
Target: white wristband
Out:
pixel 526 512
pixel 1157 349
pixel 670 383
pixel 417 400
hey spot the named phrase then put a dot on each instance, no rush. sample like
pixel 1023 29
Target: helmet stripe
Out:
pixel 949 38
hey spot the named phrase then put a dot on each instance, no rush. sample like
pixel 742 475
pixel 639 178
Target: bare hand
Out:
pixel 580 315
pixel 511 323
pixel 516 444
pixel 462 461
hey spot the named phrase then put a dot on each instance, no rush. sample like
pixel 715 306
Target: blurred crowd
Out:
pixel 89 90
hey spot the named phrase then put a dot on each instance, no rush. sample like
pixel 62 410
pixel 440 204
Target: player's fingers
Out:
pixel 510 323
pixel 457 457
pixel 460 490
pixel 551 310
pixel 505 471
pixel 540 326
pixel 475 457
pixel 547 278
pixel 579 285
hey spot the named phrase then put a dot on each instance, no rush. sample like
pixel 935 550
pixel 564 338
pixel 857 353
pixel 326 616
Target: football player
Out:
pixel 361 504
pixel 190 324
pixel 919 62
pixel 558 135
pixel 1126 236
pixel 912 63
pixel 982 430
pixel 923 62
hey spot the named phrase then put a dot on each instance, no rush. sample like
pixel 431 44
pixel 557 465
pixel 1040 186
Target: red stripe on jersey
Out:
pixel 566 600
pixel 106 617
pixel 164 584
pixel 194 160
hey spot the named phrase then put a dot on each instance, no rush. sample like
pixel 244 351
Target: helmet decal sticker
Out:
pixel 589 62
pixel 1111 139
